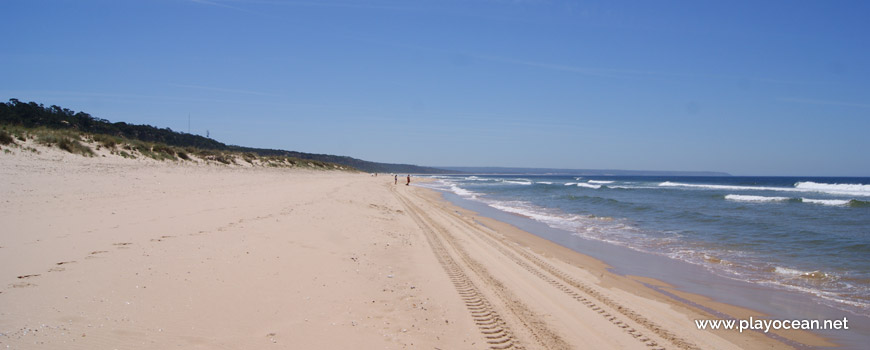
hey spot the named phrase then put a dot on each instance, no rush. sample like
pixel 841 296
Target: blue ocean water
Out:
pixel 804 234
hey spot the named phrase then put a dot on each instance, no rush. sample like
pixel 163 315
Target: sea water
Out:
pixel 803 234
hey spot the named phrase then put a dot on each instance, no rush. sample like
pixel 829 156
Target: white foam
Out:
pixel 633 187
pixel 570 184
pixel 798 273
pixel 725 187
pixel 826 201
pixel 599 182
pixel 743 198
pixel 475 178
pixel 518 182
pixel 545 182
pixel 524 209
pixel 787 271
pixel 445 185
pixel 847 189
pixel 462 192
pixel 578 178
pixel 588 185
pixel 837 189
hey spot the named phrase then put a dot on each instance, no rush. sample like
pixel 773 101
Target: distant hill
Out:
pixel 34 115
pixel 586 172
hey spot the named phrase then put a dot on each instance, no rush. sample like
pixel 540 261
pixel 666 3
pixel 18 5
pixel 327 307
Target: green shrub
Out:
pixel 107 141
pixel 5 138
pixel 249 157
pixel 64 140
pixel 162 151
pixel 142 148
pixel 75 147
pixel 160 148
pixel 223 158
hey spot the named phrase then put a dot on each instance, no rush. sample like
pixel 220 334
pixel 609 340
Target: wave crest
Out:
pixel 835 189
pixel 746 198
pixel 599 182
pixel 518 182
pixel 826 201
pixel 850 189
pixel 588 185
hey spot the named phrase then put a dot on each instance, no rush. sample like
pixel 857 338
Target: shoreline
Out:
pixel 139 254
pixel 683 283
pixel 641 287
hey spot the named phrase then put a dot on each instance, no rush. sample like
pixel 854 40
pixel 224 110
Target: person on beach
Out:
pixel 409 180
pixel 396 179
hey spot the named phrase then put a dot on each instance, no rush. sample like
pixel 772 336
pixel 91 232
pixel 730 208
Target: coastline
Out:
pixel 102 252
pixel 672 315
pixel 688 285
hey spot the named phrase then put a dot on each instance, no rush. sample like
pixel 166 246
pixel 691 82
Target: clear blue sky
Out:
pixel 753 88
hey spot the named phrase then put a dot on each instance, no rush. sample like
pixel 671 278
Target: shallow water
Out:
pixel 806 235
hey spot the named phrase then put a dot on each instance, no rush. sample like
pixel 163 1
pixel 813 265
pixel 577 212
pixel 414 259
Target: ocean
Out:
pixel 803 234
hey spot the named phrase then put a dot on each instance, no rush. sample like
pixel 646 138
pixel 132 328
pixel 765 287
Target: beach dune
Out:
pixel 99 253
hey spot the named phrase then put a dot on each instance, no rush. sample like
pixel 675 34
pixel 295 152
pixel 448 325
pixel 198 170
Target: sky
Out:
pixel 748 88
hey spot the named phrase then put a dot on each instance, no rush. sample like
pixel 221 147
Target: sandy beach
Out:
pixel 104 253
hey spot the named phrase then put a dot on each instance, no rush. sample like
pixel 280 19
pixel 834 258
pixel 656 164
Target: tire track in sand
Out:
pixel 582 292
pixel 483 311
pixel 487 319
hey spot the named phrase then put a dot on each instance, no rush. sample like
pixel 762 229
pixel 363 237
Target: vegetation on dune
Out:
pixel 76 142
pixel 165 143
pixel 5 138
pixel 66 140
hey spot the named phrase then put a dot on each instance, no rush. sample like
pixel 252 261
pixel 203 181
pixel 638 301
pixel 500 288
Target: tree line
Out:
pixel 35 115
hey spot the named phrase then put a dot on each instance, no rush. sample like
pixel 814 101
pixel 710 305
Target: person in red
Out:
pixel 409 180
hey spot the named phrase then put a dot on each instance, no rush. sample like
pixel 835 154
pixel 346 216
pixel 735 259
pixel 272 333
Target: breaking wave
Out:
pixel 588 185
pixel 599 182
pixel 744 198
pixel 847 189
pixel 826 201
pixel 518 182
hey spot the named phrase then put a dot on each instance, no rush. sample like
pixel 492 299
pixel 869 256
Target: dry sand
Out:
pixel 105 253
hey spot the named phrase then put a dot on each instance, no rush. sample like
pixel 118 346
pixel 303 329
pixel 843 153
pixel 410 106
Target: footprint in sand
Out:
pixel 58 268
pixel 93 254
pixel 122 245
pixel 23 285
pixel 28 276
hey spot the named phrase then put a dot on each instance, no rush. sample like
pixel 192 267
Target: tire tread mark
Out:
pixel 491 325
pixel 563 278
